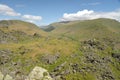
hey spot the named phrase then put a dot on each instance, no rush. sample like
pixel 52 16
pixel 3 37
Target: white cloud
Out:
pixel 6 10
pixel 32 17
pixel 90 14
pixel 31 21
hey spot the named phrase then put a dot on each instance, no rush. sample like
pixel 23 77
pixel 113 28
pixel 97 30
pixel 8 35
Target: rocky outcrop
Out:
pixel 58 73
pixel 5 77
pixel 100 65
pixel 6 37
pixel 92 45
pixel 4 56
pixel 39 73
pixel 50 59
pixel 8 77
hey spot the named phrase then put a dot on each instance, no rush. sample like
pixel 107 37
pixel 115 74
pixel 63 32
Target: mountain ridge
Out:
pixel 19 25
pixel 80 29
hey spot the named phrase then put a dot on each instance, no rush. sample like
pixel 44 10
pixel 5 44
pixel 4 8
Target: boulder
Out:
pixel 1 76
pixel 8 77
pixel 39 73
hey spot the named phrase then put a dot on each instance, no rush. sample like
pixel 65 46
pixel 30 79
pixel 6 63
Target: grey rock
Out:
pixel 8 77
pixel 57 74
pixel 92 45
pixel 50 59
pixel 1 76
pixel 5 56
pixel 107 76
pixel 6 37
pixel 39 73
pixel 59 67
pixel 57 77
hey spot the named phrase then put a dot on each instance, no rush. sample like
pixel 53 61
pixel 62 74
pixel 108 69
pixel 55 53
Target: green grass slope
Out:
pixel 87 29
pixel 18 25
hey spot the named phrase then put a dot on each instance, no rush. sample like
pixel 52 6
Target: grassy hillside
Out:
pixel 87 29
pixel 18 25
pixel 78 50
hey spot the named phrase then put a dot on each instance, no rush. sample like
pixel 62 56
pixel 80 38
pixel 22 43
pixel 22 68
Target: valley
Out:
pixel 71 50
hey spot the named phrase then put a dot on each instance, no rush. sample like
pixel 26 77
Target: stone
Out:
pixel 50 59
pixel 93 45
pixel 8 77
pixel 107 76
pixel 39 73
pixel 1 76
pixel 57 77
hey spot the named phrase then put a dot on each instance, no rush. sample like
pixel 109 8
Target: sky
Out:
pixel 44 12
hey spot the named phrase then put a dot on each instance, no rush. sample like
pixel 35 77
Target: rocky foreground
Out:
pixel 82 65
pixel 37 73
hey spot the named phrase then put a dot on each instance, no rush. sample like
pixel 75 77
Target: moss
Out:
pixel 115 69
pixel 79 76
pixel 45 74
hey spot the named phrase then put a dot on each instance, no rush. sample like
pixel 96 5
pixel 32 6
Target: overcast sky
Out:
pixel 42 12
